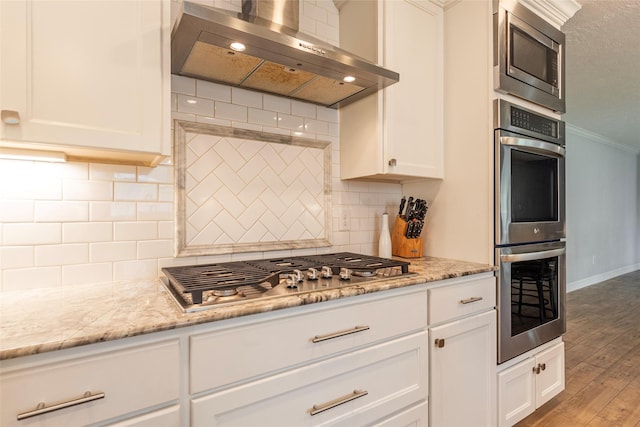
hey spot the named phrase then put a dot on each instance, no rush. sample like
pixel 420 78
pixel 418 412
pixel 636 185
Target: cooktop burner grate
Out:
pixel 255 276
pixel 195 279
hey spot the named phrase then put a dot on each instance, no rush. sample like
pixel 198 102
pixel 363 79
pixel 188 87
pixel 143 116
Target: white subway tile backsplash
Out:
pixel 103 172
pixel 166 230
pixel 135 270
pixel 16 211
pixel 155 211
pixel 16 257
pixel 246 97
pixel 31 278
pixel 158 174
pixel 276 103
pixel 112 211
pixel 194 105
pixel 328 115
pixel 23 180
pixel 80 232
pixel 183 85
pixel 31 234
pixel 263 117
pixel 81 274
pixel 61 211
pixel 304 109
pixel 135 230
pixel 165 193
pixel 231 112
pixel 316 127
pixel 112 251
pixel 135 191
pixel 155 249
pixel 214 91
pixel 287 121
pixel 87 190
pixel 65 254
pixel 213 121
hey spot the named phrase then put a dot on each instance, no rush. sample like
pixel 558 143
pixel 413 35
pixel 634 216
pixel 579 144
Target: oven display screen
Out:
pixel 534 187
pixel 534 123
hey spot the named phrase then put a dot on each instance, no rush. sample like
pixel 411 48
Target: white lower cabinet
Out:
pixel 462 353
pixel 84 389
pixel 352 362
pixel 527 385
pixel 353 389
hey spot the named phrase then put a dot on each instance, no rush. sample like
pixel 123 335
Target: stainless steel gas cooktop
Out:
pixel 199 287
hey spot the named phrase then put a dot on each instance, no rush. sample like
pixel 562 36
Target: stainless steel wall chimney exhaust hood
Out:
pixel 276 58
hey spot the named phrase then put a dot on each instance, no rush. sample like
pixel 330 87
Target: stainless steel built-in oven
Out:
pixel 531 296
pixel 528 56
pixel 530 176
pixel 529 228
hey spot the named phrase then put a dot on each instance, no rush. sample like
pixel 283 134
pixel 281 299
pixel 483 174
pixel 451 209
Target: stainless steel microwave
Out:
pixel 528 56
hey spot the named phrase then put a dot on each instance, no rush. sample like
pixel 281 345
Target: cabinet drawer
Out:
pixel 131 379
pixel 226 356
pixel 472 296
pixel 348 390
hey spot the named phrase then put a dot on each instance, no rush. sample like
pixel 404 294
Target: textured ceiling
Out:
pixel 603 69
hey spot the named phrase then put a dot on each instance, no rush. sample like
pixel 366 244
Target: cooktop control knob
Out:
pixel 326 272
pixel 312 274
pixel 292 281
pixel 345 274
pixel 298 275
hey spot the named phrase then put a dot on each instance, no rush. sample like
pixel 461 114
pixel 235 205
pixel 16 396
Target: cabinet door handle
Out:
pixel 10 117
pixel 319 338
pixel 393 162
pixel 540 367
pixel 43 409
pixel 316 409
pixel 439 342
pixel 470 300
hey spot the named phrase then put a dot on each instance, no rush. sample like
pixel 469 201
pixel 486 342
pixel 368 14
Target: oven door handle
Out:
pixel 533 146
pixel 532 256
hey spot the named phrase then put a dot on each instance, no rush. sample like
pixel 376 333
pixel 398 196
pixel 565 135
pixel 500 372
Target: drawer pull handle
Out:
pixel 320 338
pixel 316 409
pixel 10 117
pixel 43 409
pixel 470 300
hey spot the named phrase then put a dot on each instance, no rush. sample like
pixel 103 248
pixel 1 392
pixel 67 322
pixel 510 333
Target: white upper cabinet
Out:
pixel 88 78
pixel 397 134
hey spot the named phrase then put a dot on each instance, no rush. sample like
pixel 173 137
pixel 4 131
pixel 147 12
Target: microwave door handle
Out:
pixel 532 256
pixel 533 146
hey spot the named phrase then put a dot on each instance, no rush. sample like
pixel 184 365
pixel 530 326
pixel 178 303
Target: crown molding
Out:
pixel 599 139
pixel 556 12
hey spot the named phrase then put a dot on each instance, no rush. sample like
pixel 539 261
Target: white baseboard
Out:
pixel 583 283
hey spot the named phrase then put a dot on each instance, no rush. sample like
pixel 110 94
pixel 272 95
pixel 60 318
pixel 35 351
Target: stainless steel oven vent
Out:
pixel 276 58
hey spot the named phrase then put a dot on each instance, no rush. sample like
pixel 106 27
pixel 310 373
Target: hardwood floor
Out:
pixel 602 359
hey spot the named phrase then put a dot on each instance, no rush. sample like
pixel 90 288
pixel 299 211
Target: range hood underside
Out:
pixel 273 62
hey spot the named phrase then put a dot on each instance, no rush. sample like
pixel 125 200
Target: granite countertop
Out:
pixel 38 321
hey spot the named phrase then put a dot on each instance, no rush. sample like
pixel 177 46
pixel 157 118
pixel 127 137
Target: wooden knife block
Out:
pixel 400 245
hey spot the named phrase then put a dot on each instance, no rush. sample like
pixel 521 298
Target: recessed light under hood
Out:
pixel 276 58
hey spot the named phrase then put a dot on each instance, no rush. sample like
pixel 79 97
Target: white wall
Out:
pixel 602 209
